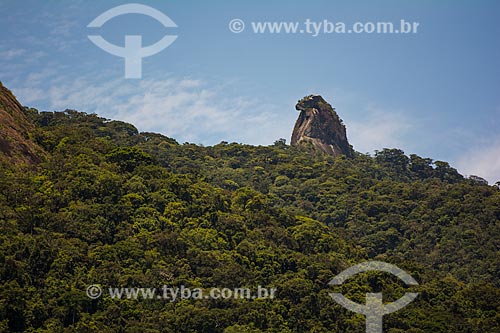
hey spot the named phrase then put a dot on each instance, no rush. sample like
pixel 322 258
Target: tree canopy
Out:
pixel 119 208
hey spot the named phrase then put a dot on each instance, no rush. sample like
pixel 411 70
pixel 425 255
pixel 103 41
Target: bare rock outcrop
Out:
pixel 16 131
pixel 320 127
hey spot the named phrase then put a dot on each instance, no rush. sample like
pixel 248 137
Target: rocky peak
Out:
pixel 320 126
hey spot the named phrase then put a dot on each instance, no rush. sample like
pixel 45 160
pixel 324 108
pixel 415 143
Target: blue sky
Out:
pixel 435 93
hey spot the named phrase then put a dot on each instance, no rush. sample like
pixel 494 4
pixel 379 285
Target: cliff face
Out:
pixel 320 126
pixel 16 145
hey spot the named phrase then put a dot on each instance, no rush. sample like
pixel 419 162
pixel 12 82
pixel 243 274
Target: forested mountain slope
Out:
pixel 112 206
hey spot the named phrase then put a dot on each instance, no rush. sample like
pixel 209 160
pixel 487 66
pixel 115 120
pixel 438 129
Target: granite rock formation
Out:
pixel 16 131
pixel 320 127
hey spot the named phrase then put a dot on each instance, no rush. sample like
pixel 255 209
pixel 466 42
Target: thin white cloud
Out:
pixel 30 94
pixel 11 54
pixel 185 109
pixel 375 129
pixel 482 161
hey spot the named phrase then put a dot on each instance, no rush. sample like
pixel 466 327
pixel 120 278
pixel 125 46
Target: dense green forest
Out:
pixel 115 207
